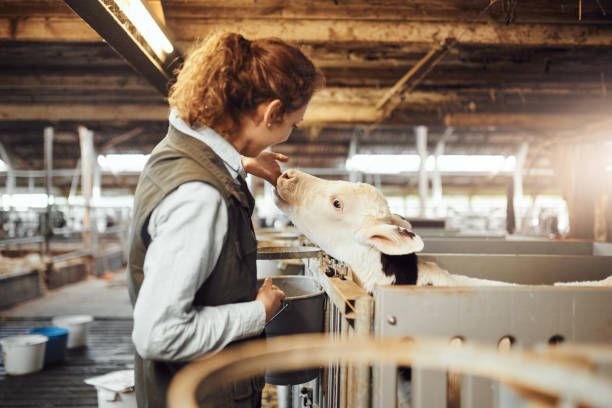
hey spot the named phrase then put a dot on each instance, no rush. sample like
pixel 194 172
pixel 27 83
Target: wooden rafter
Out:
pixel 541 121
pixel 330 31
pixel 393 98
pixel 124 137
pixel 84 112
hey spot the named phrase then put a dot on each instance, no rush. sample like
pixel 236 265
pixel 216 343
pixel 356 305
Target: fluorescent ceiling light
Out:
pixel 472 163
pixel 383 163
pixel 24 201
pixel 123 163
pixel 3 166
pixel 403 163
pixel 146 25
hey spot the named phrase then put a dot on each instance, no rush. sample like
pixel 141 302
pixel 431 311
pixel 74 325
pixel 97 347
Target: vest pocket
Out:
pixel 246 245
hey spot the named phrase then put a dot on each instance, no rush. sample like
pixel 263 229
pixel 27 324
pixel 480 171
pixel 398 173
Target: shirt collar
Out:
pixel 230 156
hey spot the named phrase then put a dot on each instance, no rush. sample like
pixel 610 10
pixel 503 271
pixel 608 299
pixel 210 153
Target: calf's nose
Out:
pixel 288 175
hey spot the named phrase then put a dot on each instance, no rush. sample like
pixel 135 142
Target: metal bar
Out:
pixel 21 241
pixel 521 155
pixel 71 255
pixel 75 181
pixel 421 146
pixel 87 158
pixel 48 139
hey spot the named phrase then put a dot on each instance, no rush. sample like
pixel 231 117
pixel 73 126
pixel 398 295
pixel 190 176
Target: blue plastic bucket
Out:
pixel 55 351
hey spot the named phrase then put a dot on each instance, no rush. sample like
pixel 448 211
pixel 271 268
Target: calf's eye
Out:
pixel 337 203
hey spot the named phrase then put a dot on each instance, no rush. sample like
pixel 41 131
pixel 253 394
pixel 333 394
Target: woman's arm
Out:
pixel 187 230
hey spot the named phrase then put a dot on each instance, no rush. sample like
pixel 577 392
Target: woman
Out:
pixel 192 274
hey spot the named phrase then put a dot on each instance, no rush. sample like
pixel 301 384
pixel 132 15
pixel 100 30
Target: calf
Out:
pixel 352 222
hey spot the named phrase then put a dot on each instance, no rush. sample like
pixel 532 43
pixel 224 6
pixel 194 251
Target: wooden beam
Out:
pixel 47 29
pixel 124 137
pixel 384 10
pixel 83 81
pixel 335 31
pixel 330 31
pixel 393 98
pixel 316 113
pixel 314 149
pixel 542 121
pixel 340 113
pixel 84 112
pixel 87 169
pixel 157 10
pixel 370 95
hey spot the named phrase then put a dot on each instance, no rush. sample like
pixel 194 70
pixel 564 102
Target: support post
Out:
pixel 74 182
pixel 521 156
pixel 48 228
pixel 436 182
pixel 10 175
pixel 362 392
pixel 421 145
pixel 354 175
pixel 87 170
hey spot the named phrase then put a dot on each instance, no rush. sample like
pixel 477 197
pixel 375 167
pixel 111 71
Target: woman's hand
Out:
pixel 265 165
pixel 270 295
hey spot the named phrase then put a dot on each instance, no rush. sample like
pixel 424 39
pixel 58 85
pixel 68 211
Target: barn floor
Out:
pixel 109 345
pixel 109 349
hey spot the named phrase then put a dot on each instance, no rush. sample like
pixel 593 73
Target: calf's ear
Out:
pixel 400 221
pixel 391 239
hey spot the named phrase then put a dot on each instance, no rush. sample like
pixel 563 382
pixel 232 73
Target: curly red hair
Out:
pixel 228 76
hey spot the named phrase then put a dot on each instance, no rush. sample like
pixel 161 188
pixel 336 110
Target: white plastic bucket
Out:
pixel 115 389
pixel 77 328
pixel 111 399
pixel 23 354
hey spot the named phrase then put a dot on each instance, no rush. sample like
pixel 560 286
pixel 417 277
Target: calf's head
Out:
pixel 350 221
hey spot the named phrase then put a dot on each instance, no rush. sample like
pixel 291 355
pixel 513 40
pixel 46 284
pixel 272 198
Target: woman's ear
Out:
pixel 272 112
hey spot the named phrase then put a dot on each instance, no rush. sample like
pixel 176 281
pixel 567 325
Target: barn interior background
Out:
pixel 496 98
pixel 491 118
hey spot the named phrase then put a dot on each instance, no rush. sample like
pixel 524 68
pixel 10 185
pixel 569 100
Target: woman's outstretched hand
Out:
pixel 265 165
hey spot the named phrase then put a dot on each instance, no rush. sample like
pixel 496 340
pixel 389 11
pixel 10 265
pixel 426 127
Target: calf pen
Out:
pixel 520 316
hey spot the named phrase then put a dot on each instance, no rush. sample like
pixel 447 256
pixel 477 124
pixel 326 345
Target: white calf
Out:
pixel 352 223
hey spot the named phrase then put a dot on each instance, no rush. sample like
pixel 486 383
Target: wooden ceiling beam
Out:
pixel 393 98
pixel 122 138
pixel 46 29
pixel 325 31
pixel 340 113
pixel 316 114
pixel 542 121
pixel 84 113
pixel 84 81
pixel 330 31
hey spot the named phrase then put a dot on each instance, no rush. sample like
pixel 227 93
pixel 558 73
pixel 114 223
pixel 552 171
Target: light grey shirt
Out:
pixel 187 229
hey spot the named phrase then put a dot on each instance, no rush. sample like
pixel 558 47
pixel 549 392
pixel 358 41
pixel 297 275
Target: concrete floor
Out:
pixel 97 297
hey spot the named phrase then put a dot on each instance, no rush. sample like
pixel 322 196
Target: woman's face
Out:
pixel 261 136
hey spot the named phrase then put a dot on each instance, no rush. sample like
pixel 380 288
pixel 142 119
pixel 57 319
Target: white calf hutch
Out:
pixel 525 316
pixel 441 332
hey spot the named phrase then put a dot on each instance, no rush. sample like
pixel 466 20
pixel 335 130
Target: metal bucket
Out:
pixel 271 268
pixel 302 311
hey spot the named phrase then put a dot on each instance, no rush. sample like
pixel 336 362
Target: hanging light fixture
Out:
pixel 130 28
